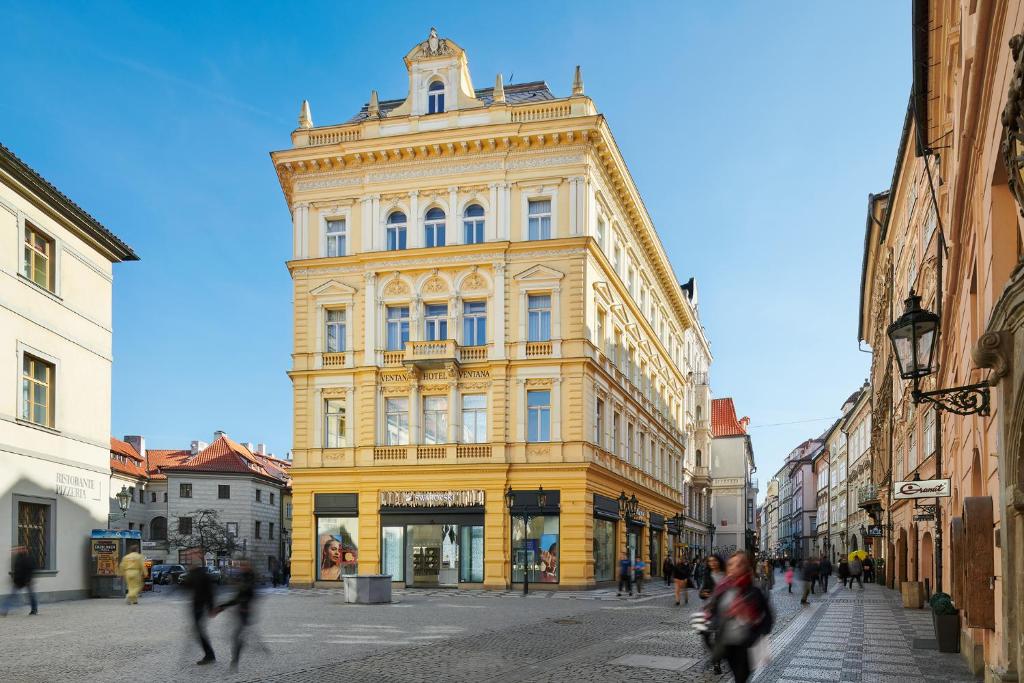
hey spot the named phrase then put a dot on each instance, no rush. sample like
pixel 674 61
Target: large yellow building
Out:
pixel 482 303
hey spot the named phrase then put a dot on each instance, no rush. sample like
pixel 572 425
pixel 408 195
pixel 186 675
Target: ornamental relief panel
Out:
pixel 474 282
pixel 537 451
pixel 334 392
pixel 540 382
pixel 474 386
pixel 435 285
pixel 396 288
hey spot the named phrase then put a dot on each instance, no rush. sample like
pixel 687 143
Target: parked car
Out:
pixel 213 572
pixel 168 574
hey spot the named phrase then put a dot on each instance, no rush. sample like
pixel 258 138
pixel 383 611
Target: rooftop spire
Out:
pixel 373 108
pixel 305 117
pixel 499 90
pixel 577 81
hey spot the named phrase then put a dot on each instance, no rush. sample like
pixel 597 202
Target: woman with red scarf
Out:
pixel 739 615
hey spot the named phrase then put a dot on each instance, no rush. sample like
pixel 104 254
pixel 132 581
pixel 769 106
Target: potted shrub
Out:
pixel 946 619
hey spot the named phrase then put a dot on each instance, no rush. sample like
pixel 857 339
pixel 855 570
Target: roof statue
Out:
pixel 577 81
pixel 499 90
pixel 373 108
pixel 305 116
pixel 434 46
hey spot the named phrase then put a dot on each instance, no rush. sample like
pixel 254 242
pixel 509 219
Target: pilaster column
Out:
pixel 376 224
pixel 453 222
pixel 491 225
pixel 414 238
pixel 454 413
pixel 588 199
pixel 504 227
pixel 414 413
pixel 370 344
pixel 574 214
pixel 556 409
pixel 521 413
pixel 300 230
pixel 366 224
pixel 497 321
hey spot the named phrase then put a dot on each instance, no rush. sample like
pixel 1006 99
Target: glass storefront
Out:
pixel 656 556
pixel 604 550
pixel 535 549
pixel 338 546
pixel 391 556
pixel 471 554
pixel 433 554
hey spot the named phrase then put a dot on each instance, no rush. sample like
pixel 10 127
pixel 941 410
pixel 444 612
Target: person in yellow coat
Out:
pixel 133 569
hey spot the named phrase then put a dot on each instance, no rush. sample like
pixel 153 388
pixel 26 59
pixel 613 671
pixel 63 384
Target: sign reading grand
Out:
pixel 431 499
pixel 925 488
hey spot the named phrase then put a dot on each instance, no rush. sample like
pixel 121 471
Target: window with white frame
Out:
pixel 599 330
pixel 929 433
pixel 617 259
pixel 911 450
pixel 435 98
pixel 37 390
pixel 538 416
pixel 629 442
pixel 539 219
pixel 474 418
pixel 337 236
pixel 396 412
pixel 631 282
pixel 335 423
pixel 396 231
pixel 335 330
pixel 616 424
pixel 601 230
pixel 474 323
pixel 397 327
pixel 473 224
pixel 599 422
pixel 38 261
pixel 435 419
pixel 436 319
pixel 433 228
pixel 538 308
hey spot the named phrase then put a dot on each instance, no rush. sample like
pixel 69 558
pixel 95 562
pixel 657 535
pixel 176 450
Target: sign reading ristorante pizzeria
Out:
pixel 431 499
pixel 925 488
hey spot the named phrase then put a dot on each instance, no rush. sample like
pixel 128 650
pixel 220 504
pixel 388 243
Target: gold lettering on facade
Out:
pixel 430 499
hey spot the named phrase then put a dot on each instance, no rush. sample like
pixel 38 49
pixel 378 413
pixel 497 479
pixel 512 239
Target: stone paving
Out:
pixel 448 635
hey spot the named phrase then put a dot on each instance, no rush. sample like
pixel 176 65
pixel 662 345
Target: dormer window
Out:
pixel 435 98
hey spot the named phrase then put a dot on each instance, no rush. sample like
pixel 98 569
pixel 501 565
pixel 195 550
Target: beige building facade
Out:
pixel 483 311
pixel 56 281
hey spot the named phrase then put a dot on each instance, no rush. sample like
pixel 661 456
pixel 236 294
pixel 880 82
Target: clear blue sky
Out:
pixel 754 130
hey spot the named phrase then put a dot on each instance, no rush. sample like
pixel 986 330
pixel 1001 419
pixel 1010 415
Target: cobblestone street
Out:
pixel 312 635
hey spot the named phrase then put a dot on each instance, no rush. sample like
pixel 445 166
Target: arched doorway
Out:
pixel 927 560
pixel 158 529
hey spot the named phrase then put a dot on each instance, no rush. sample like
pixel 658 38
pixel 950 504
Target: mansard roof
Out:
pixel 519 93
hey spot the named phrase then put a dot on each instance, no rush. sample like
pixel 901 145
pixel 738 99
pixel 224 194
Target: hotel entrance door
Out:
pixel 433 554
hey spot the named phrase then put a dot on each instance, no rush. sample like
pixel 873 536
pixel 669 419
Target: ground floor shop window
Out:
pixel 338 544
pixel 35 531
pixel 604 550
pixel 394 547
pixel 471 554
pixel 535 549
pixel 655 553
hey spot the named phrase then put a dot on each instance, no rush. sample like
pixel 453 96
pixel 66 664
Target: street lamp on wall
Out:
pixel 124 500
pixel 913 336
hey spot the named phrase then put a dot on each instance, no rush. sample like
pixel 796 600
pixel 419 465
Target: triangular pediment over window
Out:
pixel 333 288
pixel 540 273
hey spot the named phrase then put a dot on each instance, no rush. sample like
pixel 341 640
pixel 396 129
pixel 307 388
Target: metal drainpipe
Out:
pixel 938 418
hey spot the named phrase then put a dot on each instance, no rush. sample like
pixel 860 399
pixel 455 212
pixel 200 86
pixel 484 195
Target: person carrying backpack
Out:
pixel 737 616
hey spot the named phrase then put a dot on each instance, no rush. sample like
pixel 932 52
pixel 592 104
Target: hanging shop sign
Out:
pixel 925 488
pixel 432 499
pixel 875 531
pixel 924 518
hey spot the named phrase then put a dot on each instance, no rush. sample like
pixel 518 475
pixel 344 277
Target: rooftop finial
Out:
pixel 373 109
pixel 305 117
pixel 577 81
pixel 499 90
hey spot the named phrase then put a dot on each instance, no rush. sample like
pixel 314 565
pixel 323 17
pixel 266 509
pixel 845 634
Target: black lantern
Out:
pixel 622 504
pixel 632 506
pixel 510 498
pixel 542 498
pixel 124 499
pixel 913 336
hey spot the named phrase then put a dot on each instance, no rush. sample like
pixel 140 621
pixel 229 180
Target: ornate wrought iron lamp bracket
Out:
pixel 972 399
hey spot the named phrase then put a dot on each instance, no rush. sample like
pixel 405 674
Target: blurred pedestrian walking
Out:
pixel 682 576
pixel 133 569
pixel 869 569
pixel 714 574
pixel 23 570
pixel 244 600
pixel 844 571
pixel 789 578
pixel 824 571
pixel 198 581
pixel 667 569
pixel 856 570
pixel 625 574
pixel 809 574
pixel 739 615
pixel 639 566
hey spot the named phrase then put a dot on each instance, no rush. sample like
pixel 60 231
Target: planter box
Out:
pixel 947 631
pixel 913 594
pixel 368 589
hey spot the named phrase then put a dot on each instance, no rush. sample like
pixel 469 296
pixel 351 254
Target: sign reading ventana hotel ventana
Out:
pixel 925 488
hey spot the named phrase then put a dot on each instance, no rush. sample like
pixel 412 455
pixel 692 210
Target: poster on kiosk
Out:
pixel 106 548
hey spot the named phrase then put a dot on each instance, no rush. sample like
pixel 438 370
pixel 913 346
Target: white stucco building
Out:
pixel 733 490
pixel 56 281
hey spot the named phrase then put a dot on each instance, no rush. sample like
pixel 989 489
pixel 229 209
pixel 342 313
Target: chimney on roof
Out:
pixel 261 448
pixel 138 443
pixel 744 422
pixel 198 446
pixel 219 433
pixel 248 446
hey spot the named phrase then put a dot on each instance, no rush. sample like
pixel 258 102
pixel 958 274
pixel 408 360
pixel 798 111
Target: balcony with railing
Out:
pixel 701 476
pixel 538 349
pixel 868 497
pixel 428 353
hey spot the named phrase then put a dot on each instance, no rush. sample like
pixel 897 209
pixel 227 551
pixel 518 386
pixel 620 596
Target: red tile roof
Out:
pixel 228 456
pixel 723 419
pixel 124 459
pixel 160 458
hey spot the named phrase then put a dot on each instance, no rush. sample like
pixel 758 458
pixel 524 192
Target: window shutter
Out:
pixel 958 562
pixel 978 524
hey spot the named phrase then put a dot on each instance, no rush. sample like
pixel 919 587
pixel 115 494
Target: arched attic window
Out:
pixel 435 98
pixel 433 228
pixel 396 225
pixel 473 222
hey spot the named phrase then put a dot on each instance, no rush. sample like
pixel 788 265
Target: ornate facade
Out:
pixel 481 304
